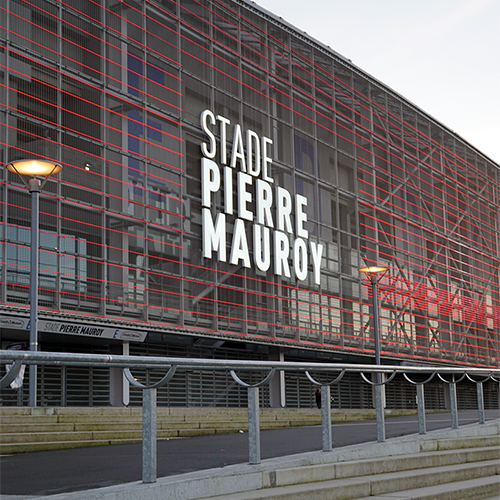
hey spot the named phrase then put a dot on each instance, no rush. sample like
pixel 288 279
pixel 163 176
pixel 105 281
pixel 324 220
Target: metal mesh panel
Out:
pixel 466 396
pixel 299 391
pixel 352 392
pixel 434 396
pixel 400 394
pixel 52 385
pixel 491 395
pixel 74 386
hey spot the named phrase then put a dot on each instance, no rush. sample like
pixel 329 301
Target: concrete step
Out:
pixel 269 421
pixel 28 437
pixel 449 483
pixel 28 419
pixel 473 489
pixel 402 481
pixel 137 425
pixel 38 427
pixel 85 418
pixel 343 470
pixel 453 444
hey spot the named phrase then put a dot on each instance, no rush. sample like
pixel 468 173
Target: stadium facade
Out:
pixel 225 177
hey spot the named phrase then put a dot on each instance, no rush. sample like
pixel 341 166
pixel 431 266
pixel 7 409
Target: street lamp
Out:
pixel 34 169
pixel 375 274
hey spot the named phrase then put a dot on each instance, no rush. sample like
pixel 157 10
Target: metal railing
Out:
pixel 448 375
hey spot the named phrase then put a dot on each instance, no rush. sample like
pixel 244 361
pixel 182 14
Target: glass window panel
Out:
pixel 327 206
pixel 326 163
pixel 345 136
pixel 307 188
pixel 195 56
pixel 227 74
pixel 195 14
pixel 303 114
pixel 163 85
pixel 255 89
pixel 347 214
pixel 283 149
pixel 346 172
pixel 82 46
pixel 197 98
pixel 305 157
pixel 162 37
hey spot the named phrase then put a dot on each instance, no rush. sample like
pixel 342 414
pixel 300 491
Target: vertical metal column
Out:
pixel 379 409
pixel 480 402
pixel 34 187
pixel 253 426
pixel 379 404
pixel 326 418
pixel 453 404
pixel 149 454
pixel 376 333
pixel 421 409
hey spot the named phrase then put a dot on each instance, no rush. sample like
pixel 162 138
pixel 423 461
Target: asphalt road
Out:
pixel 59 471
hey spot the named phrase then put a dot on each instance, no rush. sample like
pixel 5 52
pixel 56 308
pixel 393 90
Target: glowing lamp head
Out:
pixel 373 269
pixel 34 168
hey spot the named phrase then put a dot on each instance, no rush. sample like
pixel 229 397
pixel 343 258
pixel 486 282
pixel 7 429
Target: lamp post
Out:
pixel 375 274
pixel 34 169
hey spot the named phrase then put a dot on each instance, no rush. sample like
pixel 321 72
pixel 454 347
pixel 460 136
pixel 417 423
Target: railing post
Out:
pixel 253 426
pixel 379 408
pixel 453 404
pixel 326 418
pixel 421 409
pixel 480 402
pixel 149 435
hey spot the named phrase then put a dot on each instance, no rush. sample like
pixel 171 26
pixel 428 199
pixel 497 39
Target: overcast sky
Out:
pixel 442 55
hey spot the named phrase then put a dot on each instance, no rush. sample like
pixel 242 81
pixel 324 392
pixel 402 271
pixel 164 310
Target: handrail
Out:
pixel 258 384
pixel 332 382
pixel 164 381
pixel 173 365
pixel 155 362
pixel 378 383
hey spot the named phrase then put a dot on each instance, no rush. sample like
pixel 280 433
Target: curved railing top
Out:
pixel 74 359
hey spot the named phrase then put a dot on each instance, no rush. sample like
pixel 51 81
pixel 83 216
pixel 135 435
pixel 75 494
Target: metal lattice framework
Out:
pixel 114 92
